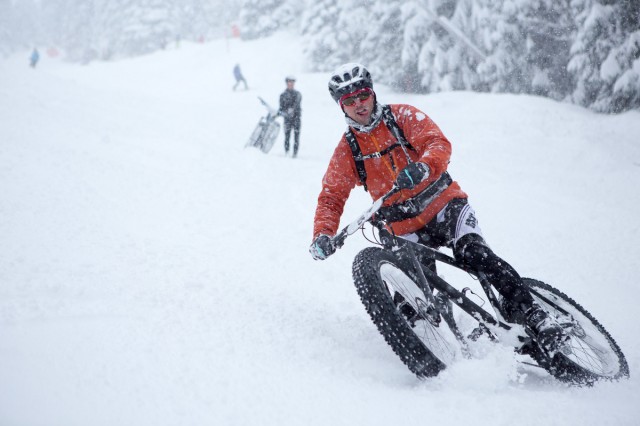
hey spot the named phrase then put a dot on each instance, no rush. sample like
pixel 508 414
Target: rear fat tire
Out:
pixel 570 370
pixel 381 308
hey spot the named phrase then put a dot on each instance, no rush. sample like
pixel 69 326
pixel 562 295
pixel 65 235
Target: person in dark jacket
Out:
pixel 291 111
pixel 237 73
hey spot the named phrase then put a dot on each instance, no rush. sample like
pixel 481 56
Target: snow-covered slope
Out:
pixel 153 271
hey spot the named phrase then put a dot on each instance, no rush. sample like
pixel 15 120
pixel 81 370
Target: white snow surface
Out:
pixel 154 271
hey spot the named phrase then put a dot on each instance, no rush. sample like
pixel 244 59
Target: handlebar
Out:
pixel 271 110
pixel 338 239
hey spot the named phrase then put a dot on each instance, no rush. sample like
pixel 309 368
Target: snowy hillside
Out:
pixel 153 271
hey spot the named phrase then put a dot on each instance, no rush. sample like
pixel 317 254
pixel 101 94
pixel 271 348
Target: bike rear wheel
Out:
pixel 399 308
pixel 271 133
pixel 264 135
pixel 591 354
pixel 256 138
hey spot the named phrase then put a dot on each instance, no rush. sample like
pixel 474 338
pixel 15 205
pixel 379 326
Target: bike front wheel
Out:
pixel 590 354
pixel 395 301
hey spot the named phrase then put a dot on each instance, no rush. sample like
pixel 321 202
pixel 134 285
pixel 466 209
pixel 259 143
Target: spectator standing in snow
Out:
pixel 399 145
pixel 34 58
pixel 237 73
pixel 290 109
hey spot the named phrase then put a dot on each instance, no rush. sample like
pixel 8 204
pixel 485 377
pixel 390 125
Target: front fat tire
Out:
pixel 390 323
pixel 611 364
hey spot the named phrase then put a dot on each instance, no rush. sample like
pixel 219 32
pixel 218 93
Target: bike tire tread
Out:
pixel 564 369
pixel 386 317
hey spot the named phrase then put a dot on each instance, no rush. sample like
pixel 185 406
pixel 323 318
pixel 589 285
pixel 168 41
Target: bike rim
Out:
pixel 438 339
pixel 588 347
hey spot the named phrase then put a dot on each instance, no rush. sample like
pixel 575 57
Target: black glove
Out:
pixel 322 247
pixel 411 175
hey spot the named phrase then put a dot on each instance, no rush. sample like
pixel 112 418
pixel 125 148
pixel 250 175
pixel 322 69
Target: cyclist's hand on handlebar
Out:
pixel 322 247
pixel 411 175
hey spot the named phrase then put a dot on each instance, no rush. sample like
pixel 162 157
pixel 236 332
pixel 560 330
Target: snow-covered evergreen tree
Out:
pixel 146 26
pixel 549 28
pixel 382 46
pixel 622 68
pixel 24 26
pixel 76 30
pixel 505 68
pixel 446 60
pixel 585 51
pixel 465 59
pixel 100 29
pixel 605 55
pixel 260 18
pixel 7 42
pixel 334 31
pixel 419 49
pixel 319 34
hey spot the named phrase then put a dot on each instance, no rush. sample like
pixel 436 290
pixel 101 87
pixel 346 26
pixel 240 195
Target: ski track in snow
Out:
pixel 155 272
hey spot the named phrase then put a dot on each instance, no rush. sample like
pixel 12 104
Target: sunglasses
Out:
pixel 362 96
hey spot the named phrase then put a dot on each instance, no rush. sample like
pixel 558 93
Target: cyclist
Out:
pixel 290 109
pixel 387 145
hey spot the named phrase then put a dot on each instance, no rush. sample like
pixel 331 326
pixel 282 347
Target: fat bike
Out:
pixel 430 323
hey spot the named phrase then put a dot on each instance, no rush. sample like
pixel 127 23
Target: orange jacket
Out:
pixel 431 147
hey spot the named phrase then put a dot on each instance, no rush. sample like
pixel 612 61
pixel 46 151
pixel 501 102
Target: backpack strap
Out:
pixel 390 122
pixel 358 158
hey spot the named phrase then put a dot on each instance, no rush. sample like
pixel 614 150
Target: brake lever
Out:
pixel 338 240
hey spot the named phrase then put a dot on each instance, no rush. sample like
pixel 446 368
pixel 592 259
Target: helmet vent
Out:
pixel 348 78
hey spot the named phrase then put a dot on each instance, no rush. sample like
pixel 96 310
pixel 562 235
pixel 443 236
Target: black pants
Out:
pixel 292 124
pixel 472 250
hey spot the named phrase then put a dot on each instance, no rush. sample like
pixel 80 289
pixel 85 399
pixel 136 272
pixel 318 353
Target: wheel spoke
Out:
pixel 589 348
pixel 435 334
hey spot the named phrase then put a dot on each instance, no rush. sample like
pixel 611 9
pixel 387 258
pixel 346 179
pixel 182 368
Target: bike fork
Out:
pixel 442 304
pixel 426 288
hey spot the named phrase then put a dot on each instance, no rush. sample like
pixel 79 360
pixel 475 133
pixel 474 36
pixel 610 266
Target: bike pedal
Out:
pixel 479 331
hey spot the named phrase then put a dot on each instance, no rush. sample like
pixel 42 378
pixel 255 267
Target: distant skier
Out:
pixel 291 111
pixel 237 73
pixel 35 57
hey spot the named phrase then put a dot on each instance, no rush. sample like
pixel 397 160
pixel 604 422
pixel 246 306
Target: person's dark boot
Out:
pixel 547 331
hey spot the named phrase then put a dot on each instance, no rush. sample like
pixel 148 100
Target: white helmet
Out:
pixel 347 79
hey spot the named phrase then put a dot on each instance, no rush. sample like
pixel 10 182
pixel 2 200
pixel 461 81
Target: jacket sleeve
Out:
pixel 337 183
pixel 426 137
pixel 281 103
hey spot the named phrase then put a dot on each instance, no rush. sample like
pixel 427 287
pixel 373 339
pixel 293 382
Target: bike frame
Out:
pixel 584 359
pixel 418 257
